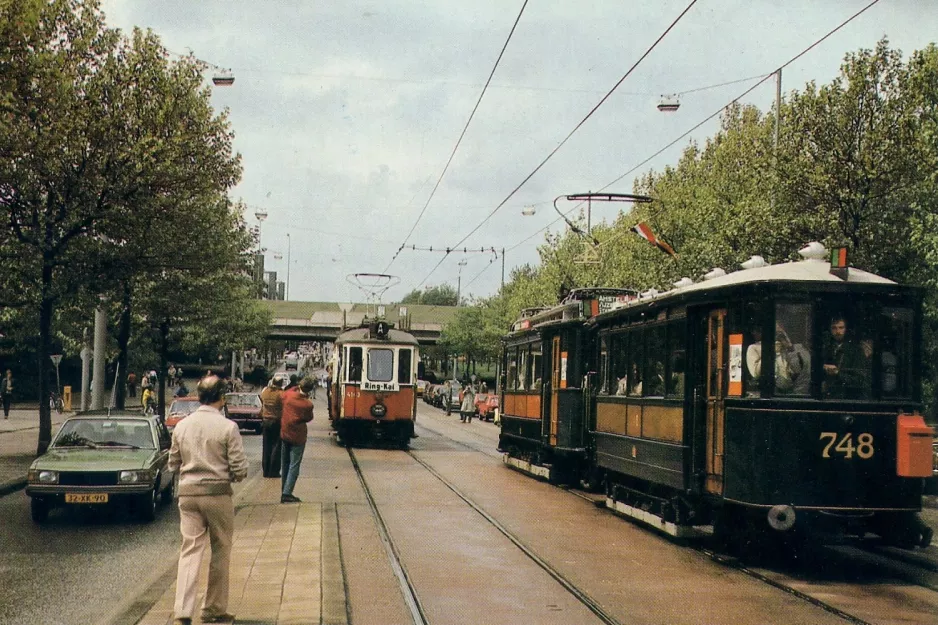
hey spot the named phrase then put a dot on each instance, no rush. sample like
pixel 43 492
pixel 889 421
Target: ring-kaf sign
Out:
pixel 391 387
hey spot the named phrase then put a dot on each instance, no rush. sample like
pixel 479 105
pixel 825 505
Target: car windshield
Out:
pixel 250 400
pixel 134 433
pixel 184 407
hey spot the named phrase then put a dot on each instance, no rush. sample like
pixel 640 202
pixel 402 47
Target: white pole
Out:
pixel 100 341
pixel 85 371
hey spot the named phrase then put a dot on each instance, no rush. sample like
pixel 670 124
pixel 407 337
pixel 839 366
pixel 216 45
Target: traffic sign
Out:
pixel 56 359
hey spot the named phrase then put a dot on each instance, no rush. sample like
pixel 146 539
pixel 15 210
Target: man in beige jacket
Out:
pixel 209 455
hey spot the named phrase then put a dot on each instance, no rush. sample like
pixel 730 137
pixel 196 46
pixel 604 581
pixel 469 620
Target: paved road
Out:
pixel 78 566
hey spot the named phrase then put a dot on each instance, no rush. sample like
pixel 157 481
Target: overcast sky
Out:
pixel 345 112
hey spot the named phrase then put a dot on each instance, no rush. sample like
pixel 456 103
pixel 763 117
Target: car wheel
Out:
pixel 169 493
pixel 147 504
pixel 39 510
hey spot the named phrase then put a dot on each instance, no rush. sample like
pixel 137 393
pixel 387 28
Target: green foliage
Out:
pixel 442 295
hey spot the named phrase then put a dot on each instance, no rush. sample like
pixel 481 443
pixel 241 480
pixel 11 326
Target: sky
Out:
pixel 345 113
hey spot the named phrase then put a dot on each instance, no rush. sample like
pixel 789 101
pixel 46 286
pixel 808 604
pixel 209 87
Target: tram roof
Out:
pixel 363 335
pixel 804 271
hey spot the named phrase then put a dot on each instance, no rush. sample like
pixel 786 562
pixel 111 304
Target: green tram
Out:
pixel 664 401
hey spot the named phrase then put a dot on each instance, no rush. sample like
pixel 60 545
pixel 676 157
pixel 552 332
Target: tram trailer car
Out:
pixel 374 377
pixel 685 427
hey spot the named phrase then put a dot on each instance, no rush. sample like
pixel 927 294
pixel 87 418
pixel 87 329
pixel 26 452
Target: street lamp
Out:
pixel 527 211
pixel 462 264
pixel 261 216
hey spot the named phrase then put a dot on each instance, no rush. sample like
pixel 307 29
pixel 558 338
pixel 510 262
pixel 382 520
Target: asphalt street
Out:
pixel 82 563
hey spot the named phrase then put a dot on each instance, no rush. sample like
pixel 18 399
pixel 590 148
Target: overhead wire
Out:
pixel 567 138
pixel 698 125
pixel 461 135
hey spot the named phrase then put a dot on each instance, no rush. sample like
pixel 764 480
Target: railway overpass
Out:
pixel 324 321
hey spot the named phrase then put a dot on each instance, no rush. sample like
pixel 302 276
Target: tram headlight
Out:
pixel 378 410
pixel 781 518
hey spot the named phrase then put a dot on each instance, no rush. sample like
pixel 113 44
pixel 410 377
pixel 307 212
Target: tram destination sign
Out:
pixel 390 387
pixel 605 303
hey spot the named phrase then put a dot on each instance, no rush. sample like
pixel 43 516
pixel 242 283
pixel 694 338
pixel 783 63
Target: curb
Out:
pixel 12 486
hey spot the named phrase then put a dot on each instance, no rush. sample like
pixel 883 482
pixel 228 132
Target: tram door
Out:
pixel 555 376
pixel 716 396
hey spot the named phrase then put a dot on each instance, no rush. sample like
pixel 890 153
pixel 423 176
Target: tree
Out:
pixel 442 295
pixel 96 130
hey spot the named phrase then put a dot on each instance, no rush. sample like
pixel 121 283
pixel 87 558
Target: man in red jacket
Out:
pixel 297 411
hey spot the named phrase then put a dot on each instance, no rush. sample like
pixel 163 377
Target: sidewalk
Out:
pixel 286 566
pixel 19 436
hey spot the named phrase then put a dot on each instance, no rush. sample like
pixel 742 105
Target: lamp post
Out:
pixel 462 264
pixel 261 216
pixel 288 268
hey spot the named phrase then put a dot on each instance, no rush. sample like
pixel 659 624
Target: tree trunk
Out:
pixel 46 307
pixel 164 347
pixel 123 339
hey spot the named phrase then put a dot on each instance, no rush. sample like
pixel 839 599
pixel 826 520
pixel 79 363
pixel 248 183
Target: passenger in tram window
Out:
pixel 754 358
pixel 792 365
pixel 845 364
pixel 676 384
pixel 622 386
pixel 636 383
pixel 537 384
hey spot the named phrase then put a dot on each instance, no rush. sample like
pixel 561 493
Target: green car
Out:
pixel 101 459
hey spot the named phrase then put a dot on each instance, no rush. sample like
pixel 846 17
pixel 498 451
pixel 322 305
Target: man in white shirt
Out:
pixel 209 455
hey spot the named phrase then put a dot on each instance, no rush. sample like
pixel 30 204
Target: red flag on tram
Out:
pixel 642 229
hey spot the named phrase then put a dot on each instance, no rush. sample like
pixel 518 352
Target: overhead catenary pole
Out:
pixel 288 268
pixel 503 267
pixel 85 370
pixel 100 342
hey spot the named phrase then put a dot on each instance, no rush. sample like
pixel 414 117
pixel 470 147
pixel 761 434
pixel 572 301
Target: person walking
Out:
pixel 208 453
pixel 468 406
pixel 6 392
pixel 132 385
pixel 297 412
pixel 271 411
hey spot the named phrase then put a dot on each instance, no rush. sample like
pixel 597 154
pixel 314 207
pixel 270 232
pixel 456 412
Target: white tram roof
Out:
pixel 363 335
pixel 810 270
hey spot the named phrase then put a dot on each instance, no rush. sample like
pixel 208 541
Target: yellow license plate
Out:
pixel 85 497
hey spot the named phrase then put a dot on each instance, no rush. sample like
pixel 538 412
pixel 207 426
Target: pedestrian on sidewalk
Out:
pixel 208 453
pixel 6 392
pixel 271 411
pixel 468 407
pixel 132 384
pixel 297 412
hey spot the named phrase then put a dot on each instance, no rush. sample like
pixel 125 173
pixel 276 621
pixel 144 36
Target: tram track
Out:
pixel 412 599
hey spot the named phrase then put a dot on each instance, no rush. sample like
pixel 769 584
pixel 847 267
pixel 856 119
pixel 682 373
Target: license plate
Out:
pixel 85 497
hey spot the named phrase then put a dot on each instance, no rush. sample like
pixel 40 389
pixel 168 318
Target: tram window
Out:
pixel 655 352
pixel 636 359
pixel 404 366
pixel 536 367
pixel 751 323
pixel 793 332
pixel 604 364
pixel 676 358
pixel 895 356
pixel 524 375
pixel 513 369
pixel 354 364
pixel 380 365
pixel 848 349
pixel 619 349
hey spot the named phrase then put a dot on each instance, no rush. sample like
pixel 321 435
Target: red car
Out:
pixel 245 410
pixel 181 408
pixel 486 405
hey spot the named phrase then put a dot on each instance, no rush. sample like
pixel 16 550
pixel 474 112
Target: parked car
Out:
pixel 422 387
pixel 181 408
pixel 101 459
pixel 245 410
pixel 486 405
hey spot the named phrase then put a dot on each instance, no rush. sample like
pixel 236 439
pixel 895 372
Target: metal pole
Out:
pixel 458 286
pixel 100 342
pixel 85 370
pixel 503 267
pixel 288 267
pixel 778 106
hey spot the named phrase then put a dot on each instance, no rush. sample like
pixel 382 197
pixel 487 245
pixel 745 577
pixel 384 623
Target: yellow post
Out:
pixel 67 397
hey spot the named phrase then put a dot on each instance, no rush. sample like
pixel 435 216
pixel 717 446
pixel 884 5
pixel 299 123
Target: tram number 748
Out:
pixel 844 445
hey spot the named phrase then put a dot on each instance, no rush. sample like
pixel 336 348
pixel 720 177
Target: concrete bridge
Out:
pixel 324 321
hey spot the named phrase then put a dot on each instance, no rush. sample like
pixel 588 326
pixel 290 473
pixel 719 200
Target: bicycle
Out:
pixel 56 403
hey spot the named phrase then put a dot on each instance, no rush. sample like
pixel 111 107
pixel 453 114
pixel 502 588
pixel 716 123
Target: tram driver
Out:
pixel 845 368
